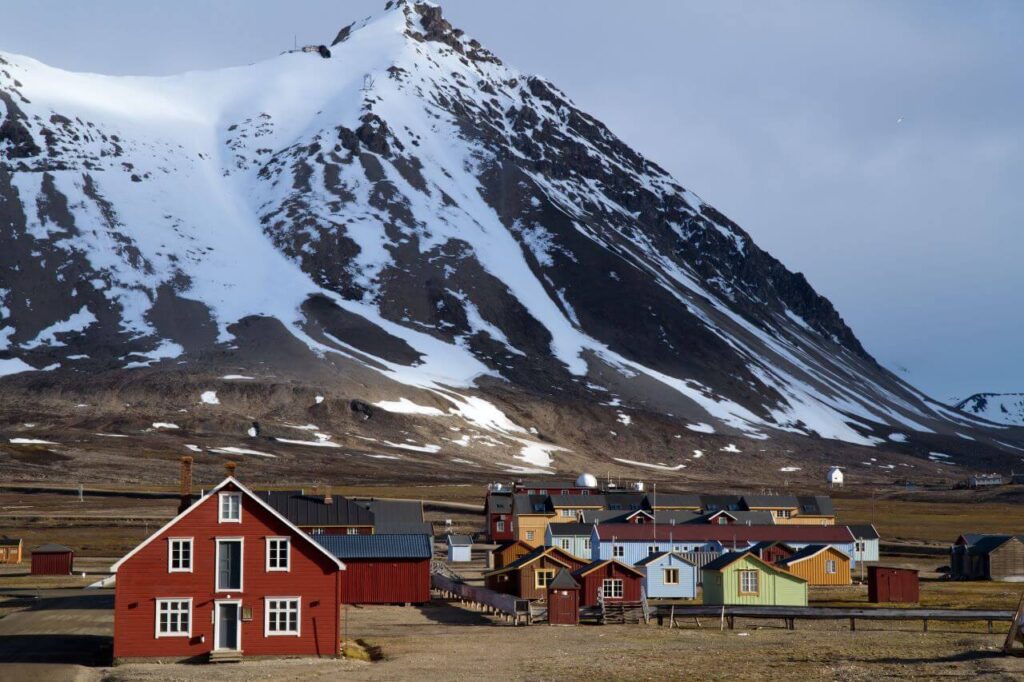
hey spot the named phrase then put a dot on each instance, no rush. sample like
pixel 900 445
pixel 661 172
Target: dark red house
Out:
pixel 52 559
pixel 770 552
pixel 614 580
pixel 381 568
pixel 500 522
pixel 886 584
pixel 229 575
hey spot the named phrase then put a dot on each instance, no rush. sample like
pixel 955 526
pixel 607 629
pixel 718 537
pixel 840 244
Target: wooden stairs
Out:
pixel 225 657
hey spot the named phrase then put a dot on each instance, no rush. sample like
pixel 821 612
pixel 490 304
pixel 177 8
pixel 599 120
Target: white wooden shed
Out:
pixel 460 548
pixel 835 477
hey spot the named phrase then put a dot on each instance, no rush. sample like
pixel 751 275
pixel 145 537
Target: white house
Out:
pixel 835 478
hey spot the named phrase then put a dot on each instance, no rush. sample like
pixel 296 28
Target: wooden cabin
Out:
pixel 742 578
pixel 563 599
pixel 609 580
pixel 382 568
pixel 528 576
pixel 865 546
pixel 52 559
pixel 505 554
pixel 668 575
pixel 573 538
pixel 886 584
pixel 988 557
pixel 819 565
pixel 10 550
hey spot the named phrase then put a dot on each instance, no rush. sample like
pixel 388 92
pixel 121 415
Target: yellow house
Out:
pixel 792 510
pixel 533 513
pixel 10 550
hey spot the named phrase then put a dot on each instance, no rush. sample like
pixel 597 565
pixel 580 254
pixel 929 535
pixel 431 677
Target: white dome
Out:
pixel 586 481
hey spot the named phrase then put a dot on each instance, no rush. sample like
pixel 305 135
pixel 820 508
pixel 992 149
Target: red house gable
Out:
pixel 227 574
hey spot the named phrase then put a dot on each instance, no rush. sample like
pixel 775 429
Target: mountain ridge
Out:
pixel 434 222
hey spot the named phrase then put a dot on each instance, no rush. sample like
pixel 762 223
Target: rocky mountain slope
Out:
pixel 412 224
pixel 1001 408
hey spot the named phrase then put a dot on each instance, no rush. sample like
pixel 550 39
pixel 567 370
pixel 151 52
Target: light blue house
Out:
pixel 630 544
pixel 669 576
pixel 865 547
pixel 573 538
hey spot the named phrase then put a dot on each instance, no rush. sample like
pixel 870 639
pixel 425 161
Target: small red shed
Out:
pixel 887 584
pixel 51 559
pixel 615 581
pixel 563 600
pixel 382 568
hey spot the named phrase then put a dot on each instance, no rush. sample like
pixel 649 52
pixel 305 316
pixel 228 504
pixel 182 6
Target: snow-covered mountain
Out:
pixel 1001 408
pixel 420 212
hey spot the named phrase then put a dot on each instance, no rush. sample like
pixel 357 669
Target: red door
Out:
pixel 564 607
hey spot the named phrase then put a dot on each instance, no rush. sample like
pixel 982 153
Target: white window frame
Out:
pixel 241 567
pixel 831 566
pixel 565 544
pixel 287 554
pixel 652 550
pixel 351 531
pixel 216 624
pixel 221 518
pixel 674 572
pixel 171 542
pixel 743 574
pixel 499 526
pixel 616 584
pixel 297 632
pixel 618 551
pixel 529 535
pixel 586 544
pixel 172 600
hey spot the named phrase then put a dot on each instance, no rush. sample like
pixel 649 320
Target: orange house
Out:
pixel 819 565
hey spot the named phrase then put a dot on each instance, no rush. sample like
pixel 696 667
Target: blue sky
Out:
pixel 877 147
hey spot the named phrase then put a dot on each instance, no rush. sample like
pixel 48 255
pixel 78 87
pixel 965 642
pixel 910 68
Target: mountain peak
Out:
pixel 425 22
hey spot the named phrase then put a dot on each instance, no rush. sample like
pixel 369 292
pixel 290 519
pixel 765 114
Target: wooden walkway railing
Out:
pixel 512 609
pixel 790 614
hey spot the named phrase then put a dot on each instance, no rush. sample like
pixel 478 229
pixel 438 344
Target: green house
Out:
pixel 742 578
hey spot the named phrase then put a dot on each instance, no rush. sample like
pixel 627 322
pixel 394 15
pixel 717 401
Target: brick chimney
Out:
pixel 186 484
pixel 229 467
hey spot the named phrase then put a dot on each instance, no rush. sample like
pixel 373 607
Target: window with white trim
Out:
pixel 586 544
pixel 859 546
pixel 783 513
pixel 618 551
pixel 749 582
pixel 611 588
pixel 566 543
pixel 529 535
pixel 282 616
pixel 831 566
pixel 671 576
pixel 499 527
pixel 278 554
pixel 179 555
pixel 173 618
pixel 230 508
pixel 351 531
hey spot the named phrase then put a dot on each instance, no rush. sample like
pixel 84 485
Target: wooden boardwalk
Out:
pixel 512 609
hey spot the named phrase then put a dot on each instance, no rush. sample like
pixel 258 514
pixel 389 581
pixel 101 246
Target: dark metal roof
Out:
pixel 773 501
pixel 578 500
pixel 988 543
pixel 375 546
pixel 817 505
pixel 716 502
pixel 10 542
pixel 569 529
pixel 310 510
pixel 673 500
pixel 629 501
pixel 51 548
pixel 802 553
pixel 651 558
pixel 499 504
pixel 459 540
pixel 390 512
pixel 864 531
pixel 590 516
pixel 532 504
pixel 563 580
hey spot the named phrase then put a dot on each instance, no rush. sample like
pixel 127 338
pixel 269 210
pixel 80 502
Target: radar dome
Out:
pixel 586 481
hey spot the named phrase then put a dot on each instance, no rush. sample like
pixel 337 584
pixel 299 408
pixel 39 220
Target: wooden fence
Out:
pixel 790 614
pixel 512 609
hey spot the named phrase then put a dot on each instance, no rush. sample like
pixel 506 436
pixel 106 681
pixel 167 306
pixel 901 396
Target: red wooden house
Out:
pixel 528 576
pixel 500 521
pixel 382 568
pixel 614 580
pixel 771 552
pixel 51 559
pixel 229 575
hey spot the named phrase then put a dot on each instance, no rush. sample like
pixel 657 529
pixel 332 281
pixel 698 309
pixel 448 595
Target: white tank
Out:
pixel 586 481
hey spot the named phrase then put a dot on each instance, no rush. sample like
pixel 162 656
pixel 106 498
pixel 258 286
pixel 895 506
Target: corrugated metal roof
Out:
pixel 377 546
pixel 50 548
pixel 390 512
pixel 310 510
pixel 725 534
pixel 459 540
pixel 864 531
pixel 773 501
pixel 569 529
